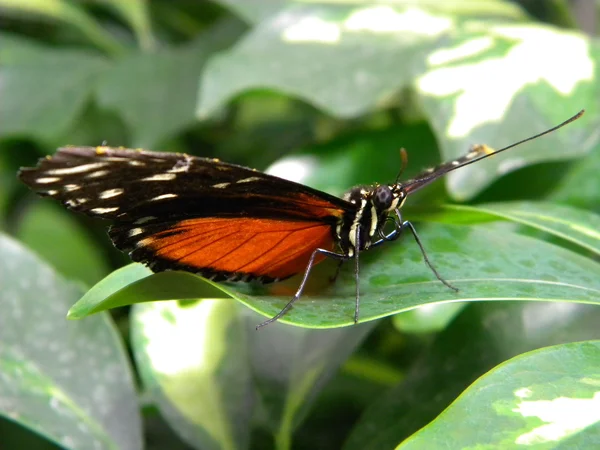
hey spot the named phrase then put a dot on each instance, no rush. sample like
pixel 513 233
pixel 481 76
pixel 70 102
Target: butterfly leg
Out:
pixel 407 224
pixel 311 262
pixel 356 271
pixel 337 271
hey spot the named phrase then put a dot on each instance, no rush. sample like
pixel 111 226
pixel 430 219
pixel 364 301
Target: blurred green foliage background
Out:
pixel 332 88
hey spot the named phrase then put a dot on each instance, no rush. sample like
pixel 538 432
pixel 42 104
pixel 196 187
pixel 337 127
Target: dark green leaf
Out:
pixel 46 227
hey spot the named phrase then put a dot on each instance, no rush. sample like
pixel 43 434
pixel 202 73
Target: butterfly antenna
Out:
pixel 404 160
pixel 486 152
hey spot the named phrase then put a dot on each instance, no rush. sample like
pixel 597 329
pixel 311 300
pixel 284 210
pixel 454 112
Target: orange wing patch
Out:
pixel 257 247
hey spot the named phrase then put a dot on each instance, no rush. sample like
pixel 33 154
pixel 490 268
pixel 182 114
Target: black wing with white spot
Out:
pixel 134 186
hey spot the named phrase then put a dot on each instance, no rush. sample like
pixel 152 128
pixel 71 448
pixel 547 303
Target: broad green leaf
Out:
pixel 46 227
pixel 484 263
pixel 540 400
pixel 67 12
pixel 69 382
pixel 154 92
pixel 534 97
pixel 193 361
pixel 60 81
pixel 482 336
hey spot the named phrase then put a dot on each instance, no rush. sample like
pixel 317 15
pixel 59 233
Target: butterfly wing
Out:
pixel 175 211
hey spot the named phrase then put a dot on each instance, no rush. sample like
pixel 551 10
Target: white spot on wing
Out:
pixel 76 169
pixel 46 180
pixel 164 196
pixel 248 180
pixel 144 220
pixel 110 193
pixel 71 187
pixel 220 185
pixel 135 231
pixel 161 177
pixel 103 210
pixel 97 174
pixel 136 163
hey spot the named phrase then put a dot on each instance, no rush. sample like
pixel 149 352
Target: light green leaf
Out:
pixel 69 382
pixel 540 400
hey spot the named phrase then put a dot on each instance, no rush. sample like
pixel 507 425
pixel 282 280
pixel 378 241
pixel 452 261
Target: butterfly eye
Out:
pixel 383 197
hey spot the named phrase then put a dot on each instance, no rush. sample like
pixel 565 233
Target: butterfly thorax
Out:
pixel 373 205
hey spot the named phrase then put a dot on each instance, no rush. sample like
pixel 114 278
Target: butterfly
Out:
pixel 174 211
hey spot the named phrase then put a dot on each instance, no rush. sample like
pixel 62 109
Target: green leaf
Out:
pixel 67 12
pixel 46 227
pixel 106 288
pixel 193 360
pixel 69 382
pixel 60 81
pixel 482 336
pixel 482 262
pixel 155 92
pixel 132 284
pixel 542 399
